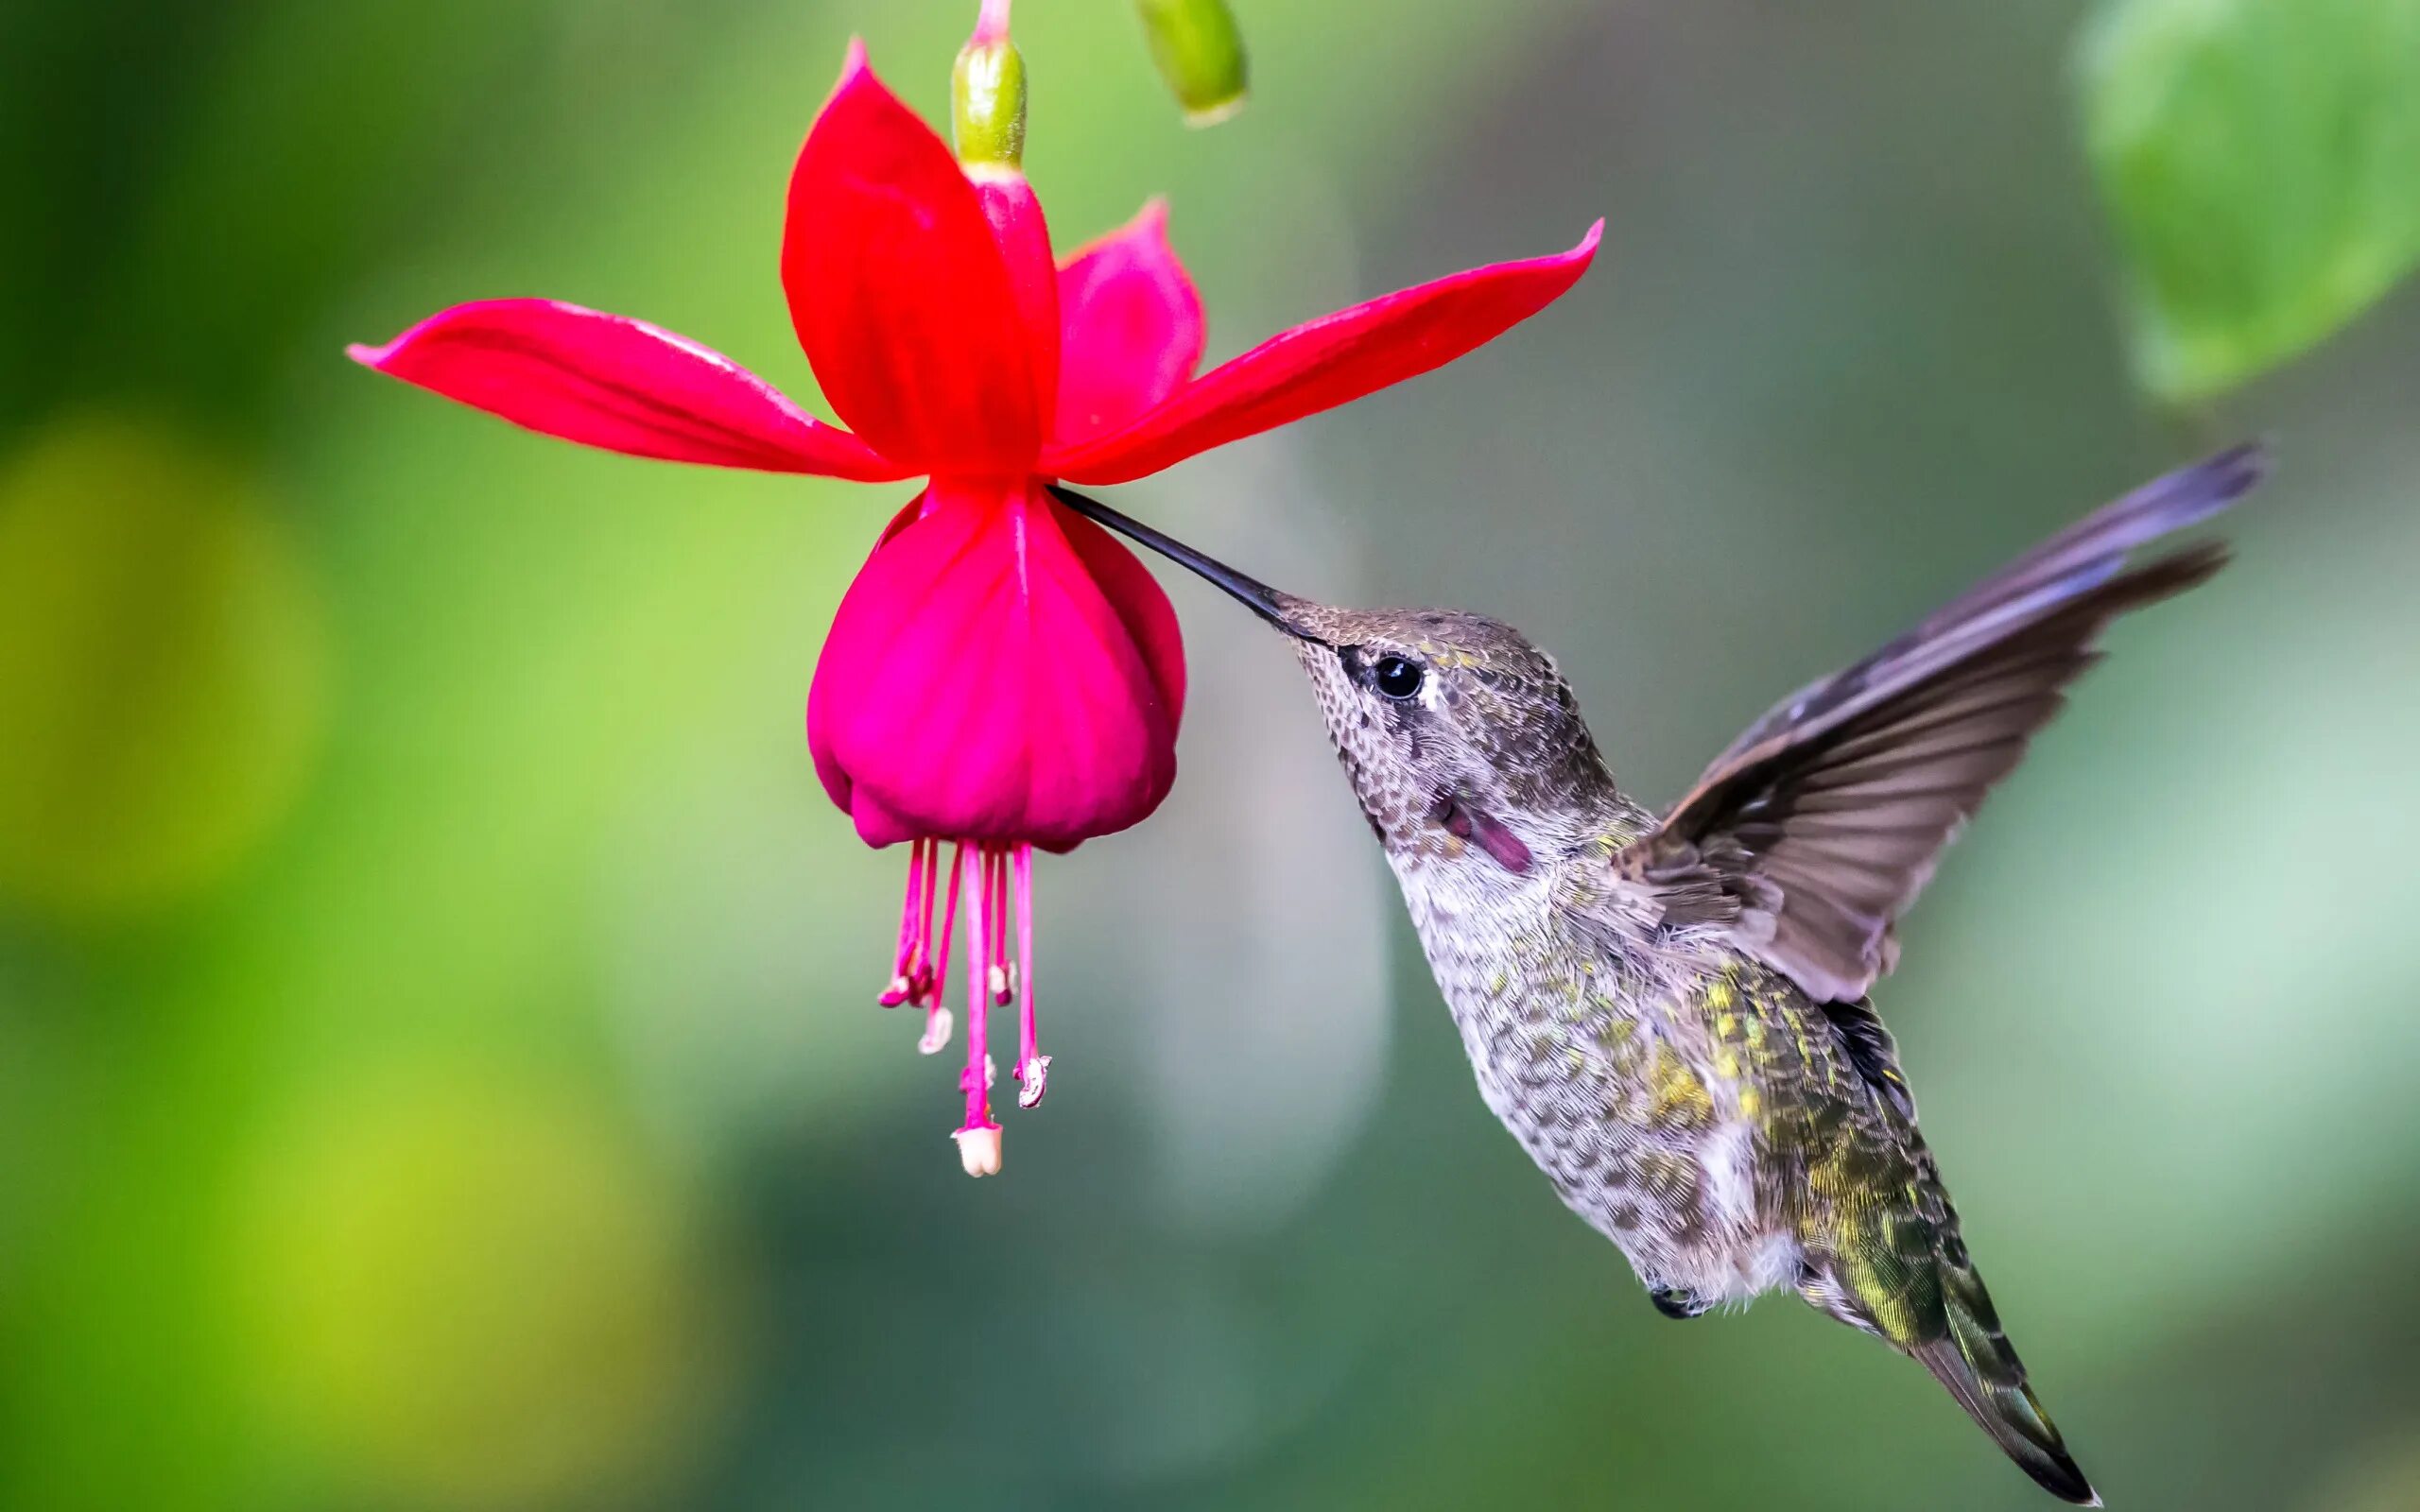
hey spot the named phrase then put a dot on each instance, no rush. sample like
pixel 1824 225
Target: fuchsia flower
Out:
pixel 1002 676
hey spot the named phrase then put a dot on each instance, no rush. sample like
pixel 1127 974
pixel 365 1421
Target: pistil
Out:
pixel 978 1137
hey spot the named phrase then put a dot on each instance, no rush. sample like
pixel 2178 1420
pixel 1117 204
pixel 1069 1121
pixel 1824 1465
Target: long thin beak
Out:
pixel 1276 607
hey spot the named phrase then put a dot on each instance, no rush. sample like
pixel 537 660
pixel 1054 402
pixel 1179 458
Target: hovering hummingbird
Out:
pixel 1671 1011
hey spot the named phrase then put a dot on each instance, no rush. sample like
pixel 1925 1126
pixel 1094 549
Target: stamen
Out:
pixel 1033 1066
pixel 937 1017
pixel 904 961
pixel 925 981
pixel 1003 987
pixel 912 940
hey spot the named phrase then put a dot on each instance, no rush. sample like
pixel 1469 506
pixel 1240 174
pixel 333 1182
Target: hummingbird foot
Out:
pixel 1678 1302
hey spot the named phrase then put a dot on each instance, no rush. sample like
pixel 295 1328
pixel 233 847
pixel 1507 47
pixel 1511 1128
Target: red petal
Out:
pixel 827 766
pixel 1329 362
pixel 899 292
pixel 979 684
pixel 1141 605
pixel 1023 235
pixel 1130 329
pixel 605 380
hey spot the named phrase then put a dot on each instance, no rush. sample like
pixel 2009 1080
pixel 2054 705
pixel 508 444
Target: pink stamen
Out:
pixel 911 917
pixel 995 977
pixel 937 1017
pixel 906 961
pixel 997 899
pixel 992 23
pixel 1033 1066
pixel 919 971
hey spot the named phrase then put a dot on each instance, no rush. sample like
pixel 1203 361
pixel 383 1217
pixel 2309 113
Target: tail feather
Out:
pixel 1973 1359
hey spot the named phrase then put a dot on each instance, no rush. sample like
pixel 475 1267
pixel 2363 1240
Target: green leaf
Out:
pixel 2261 162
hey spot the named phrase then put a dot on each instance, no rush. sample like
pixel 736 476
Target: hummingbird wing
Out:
pixel 1816 829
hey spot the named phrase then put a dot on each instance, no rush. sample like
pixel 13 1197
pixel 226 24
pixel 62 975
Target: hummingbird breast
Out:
pixel 1644 1085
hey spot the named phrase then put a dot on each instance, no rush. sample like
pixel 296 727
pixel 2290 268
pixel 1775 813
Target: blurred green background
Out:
pixel 438 1061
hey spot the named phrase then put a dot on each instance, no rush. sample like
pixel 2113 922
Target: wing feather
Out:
pixel 1809 835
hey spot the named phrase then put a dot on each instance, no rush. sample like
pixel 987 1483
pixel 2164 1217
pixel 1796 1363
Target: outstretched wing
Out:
pixel 1805 839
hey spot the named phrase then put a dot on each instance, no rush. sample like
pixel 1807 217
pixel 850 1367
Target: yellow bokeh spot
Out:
pixel 163 669
pixel 475 1296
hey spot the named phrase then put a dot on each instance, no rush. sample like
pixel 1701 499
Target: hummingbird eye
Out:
pixel 1397 677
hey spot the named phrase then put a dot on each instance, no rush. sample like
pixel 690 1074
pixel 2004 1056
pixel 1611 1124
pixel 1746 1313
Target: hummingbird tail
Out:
pixel 1973 1359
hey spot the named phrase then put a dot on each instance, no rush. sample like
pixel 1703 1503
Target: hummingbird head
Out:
pixel 1464 741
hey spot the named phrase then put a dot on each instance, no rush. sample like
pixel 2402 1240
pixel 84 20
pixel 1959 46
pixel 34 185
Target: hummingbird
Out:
pixel 1671 1011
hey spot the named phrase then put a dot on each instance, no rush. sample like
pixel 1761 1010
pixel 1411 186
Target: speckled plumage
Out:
pixel 1677 1098
pixel 1728 1133
pixel 1669 1011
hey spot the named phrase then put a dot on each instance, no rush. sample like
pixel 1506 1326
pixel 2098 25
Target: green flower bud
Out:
pixel 1200 54
pixel 986 103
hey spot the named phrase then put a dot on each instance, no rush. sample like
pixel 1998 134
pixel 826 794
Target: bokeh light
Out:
pixel 477 1294
pixel 164 663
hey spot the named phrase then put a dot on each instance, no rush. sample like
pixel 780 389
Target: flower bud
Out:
pixel 987 102
pixel 1200 54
